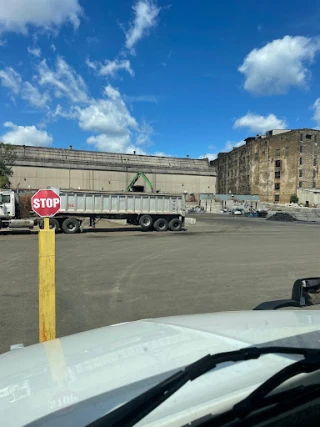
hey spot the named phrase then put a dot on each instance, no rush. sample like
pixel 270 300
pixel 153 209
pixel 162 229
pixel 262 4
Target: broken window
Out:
pixel 300 161
pixel 308 136
pixel 277 186
pixel 277 163
pixel 277 153
pixel 277 175
pixel 277 197
pixel 300 173
pixel 286 151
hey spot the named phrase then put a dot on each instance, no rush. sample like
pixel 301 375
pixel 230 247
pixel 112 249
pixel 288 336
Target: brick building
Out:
pixel 274 165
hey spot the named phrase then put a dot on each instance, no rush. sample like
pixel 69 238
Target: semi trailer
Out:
pixel 160 212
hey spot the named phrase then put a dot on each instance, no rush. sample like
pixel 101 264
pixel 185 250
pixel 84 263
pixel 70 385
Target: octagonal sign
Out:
pixel 45 203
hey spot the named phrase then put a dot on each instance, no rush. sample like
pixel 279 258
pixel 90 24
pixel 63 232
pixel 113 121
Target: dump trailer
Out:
pixel 160 212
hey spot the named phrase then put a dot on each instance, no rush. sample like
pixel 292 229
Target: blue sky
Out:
pixel 168 77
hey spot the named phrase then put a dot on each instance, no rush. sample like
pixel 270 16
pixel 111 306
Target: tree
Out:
pixel 7 160
pixel 294 199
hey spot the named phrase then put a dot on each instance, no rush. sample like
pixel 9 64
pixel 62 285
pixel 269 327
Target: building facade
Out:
pixel 37 167
pixel 273 166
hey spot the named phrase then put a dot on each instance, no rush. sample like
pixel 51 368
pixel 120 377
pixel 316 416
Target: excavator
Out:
pixel 135 179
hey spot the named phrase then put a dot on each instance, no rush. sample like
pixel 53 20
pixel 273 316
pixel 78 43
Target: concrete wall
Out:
pixel 40 177
pixel 313 197
pixel 38 167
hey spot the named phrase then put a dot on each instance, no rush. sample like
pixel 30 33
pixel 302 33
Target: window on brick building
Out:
pixel 277 175
pixel 301 137
pixel 277 163
pixel 301 148
pixel 300 173
pixel 314 174
pixel 300 184
pixel 277 197
pixel 314 161
pixel 277 152
pixel 314 184
pixel 308 136
pixel 277 186
pixel 300 161
pixel 286 151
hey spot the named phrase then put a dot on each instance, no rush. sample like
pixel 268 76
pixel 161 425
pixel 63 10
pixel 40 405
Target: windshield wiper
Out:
pixel 284 400
pixel 136 409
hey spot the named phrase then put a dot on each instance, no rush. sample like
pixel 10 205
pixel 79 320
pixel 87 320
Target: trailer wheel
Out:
pixel 175 224
pixel 53 224
pixel 70 226
pixel 161 225
pixel 146 221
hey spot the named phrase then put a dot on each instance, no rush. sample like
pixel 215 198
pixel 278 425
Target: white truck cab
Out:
pixel 7 204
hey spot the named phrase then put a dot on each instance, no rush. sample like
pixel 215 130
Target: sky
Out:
pixel 161 77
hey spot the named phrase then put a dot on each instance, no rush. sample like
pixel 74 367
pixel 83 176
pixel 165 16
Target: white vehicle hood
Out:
pixel 76 379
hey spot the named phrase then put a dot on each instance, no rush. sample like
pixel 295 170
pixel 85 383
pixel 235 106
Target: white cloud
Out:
pixel 10 79
pixel 209 156
pixel 109 116
pixel 31 94
pixel 26 135
pixel 18 15
pixel 117 128
pixel 110 68
pixel 64 81
pixel 3 42
pixel 279 65
pixel 230 145
pixel 316 108
pixel 36 51
pixel 145 18
pixel 91 64
pixel 260 124
pixel 114 144
pixel 53 47
pixel 161 154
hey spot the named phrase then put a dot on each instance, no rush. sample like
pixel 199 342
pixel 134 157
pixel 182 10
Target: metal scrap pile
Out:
pixel 281 216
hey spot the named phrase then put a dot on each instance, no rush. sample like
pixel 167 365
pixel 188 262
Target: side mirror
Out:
pixel 305 292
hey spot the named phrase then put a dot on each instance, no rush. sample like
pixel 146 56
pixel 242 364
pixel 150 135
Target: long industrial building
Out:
pixel 273 166
pixel 37 167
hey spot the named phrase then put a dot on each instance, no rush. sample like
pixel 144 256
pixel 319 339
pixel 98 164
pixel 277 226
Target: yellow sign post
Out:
pixel 47 285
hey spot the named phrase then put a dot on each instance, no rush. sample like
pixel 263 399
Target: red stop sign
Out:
pixel 45 203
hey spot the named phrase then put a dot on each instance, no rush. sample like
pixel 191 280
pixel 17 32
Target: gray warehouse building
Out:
pixel 37 167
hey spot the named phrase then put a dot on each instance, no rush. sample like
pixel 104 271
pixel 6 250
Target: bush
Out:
pixel 294 199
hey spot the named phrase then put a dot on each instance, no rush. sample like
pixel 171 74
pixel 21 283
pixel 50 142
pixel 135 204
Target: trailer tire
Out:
pixel 175 224
pixel 70 226
pixel 53 224
pixel 161 224
pixel 146 221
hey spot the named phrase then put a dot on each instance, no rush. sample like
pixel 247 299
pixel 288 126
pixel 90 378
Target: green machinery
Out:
pixel 135 179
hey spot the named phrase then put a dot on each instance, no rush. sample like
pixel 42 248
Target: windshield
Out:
pixel 4 198
pixel 159 172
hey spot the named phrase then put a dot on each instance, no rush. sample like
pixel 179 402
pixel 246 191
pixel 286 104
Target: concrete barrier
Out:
pixel 190 221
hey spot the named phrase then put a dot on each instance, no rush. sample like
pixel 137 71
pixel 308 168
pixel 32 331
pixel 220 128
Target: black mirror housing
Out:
pixel 305 292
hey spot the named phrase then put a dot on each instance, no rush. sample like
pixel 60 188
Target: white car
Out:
pixel 110 376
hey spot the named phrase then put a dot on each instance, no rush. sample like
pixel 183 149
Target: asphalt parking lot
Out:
pixel 121 274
